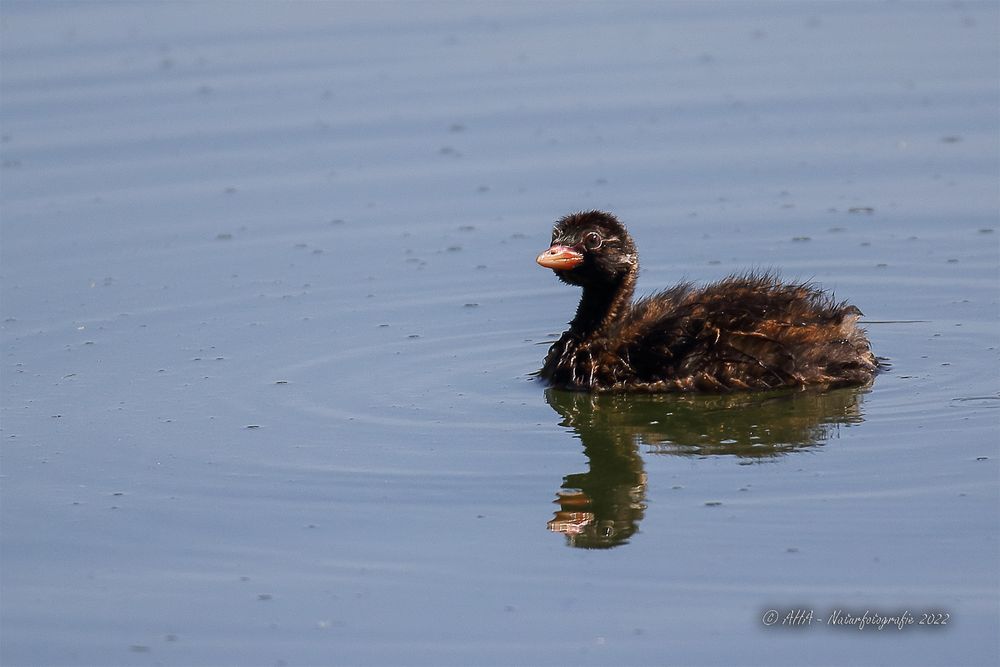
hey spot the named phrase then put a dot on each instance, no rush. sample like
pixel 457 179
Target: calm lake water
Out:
pixel 270 316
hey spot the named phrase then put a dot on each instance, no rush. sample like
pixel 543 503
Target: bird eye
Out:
pixel 592 240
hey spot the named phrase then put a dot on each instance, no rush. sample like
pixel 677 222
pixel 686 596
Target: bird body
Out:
pixel 744 332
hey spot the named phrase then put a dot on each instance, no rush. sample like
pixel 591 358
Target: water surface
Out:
pixel 270 315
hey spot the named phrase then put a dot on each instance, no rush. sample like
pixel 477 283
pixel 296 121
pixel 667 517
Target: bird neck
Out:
pixel 601 305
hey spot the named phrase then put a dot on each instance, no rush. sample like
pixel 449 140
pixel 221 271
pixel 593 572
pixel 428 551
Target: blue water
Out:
pixel 270 313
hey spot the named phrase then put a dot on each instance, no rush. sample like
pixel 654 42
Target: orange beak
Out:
pixel 560 258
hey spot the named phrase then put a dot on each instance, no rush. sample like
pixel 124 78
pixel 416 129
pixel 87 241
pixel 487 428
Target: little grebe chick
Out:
pixel 743 332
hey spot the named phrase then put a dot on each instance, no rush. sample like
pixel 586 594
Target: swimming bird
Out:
pixel 745 332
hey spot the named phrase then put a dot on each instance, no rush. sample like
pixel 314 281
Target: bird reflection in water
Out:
pixel 602 508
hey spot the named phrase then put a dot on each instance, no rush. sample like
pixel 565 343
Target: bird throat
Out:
pixel 601 305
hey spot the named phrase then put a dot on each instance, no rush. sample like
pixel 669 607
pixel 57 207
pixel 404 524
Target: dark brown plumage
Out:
pixel 743 332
